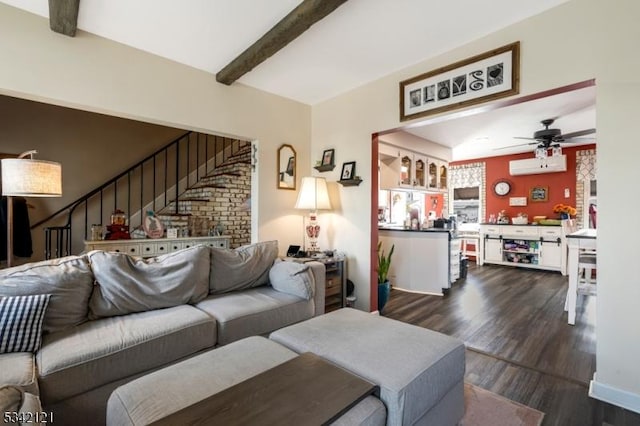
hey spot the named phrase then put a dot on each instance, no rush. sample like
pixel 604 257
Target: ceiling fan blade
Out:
pixel 579 140
pixel 578 133
pixel 521 137
pixel 513 146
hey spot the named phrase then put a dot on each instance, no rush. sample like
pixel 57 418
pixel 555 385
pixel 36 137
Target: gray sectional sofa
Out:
pixel 112 318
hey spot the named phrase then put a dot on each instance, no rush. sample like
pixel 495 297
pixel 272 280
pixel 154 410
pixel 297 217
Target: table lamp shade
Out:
pixel 31 178
pixel 313 194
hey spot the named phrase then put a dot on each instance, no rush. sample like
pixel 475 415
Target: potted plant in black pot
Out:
pixel 384 287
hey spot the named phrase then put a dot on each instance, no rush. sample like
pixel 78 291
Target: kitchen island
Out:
pixel 528 246
pixel 424 261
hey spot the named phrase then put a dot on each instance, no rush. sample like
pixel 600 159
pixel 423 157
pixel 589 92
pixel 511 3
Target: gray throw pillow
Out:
pixel 125 284
pixel 245 267
pixel 292 278
pixel 68 280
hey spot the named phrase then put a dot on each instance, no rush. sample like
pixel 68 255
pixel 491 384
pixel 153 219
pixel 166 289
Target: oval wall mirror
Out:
pixel 286 167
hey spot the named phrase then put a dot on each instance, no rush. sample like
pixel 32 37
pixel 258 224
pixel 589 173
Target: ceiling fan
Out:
pixel 551 138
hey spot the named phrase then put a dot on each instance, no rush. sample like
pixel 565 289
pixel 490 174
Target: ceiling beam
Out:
pixel 284 32
pixel 63 16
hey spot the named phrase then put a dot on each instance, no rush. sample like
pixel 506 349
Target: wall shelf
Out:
pixel 325 168
pixel 350 182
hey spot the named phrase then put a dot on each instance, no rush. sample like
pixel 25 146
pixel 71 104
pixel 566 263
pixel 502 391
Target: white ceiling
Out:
pixel 361 41
pixel 492 133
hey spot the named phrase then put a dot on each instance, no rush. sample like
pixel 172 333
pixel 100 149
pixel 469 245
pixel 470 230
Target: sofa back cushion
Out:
pixel 68 280
pixel 244 267
pixel 125 284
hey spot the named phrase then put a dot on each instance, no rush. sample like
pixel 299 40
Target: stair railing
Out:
pixel 151 184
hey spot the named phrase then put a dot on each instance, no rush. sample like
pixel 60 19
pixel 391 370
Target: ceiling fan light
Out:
pixel 541 153
pixel 556 151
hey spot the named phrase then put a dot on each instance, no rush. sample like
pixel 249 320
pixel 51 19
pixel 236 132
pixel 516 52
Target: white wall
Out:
pixel 94 74
pixel 577 41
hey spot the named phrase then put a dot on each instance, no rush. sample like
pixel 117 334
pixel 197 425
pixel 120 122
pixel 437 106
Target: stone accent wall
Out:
pixel 586 168
pixel 217 203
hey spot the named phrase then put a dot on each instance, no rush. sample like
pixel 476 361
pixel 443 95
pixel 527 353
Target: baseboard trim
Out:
pixel 603 392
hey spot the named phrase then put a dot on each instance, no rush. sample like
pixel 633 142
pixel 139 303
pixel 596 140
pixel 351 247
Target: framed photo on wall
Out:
pixel 328 157
pixel 482 78
pixel 539 194
pixel 348 170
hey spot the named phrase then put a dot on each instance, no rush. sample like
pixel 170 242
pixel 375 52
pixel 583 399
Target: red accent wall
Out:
pixel 498 168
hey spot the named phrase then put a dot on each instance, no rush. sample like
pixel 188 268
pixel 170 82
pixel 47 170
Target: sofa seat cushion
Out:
pixel 163 392
pixel 414 367
pixel 18 369
pixel 254 312
pixel 102 351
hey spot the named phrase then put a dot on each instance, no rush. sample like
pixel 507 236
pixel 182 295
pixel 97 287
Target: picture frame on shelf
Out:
pixel 328 157
pixel 152 226
pixel 539 194
pixel 348 170
pixel 482 78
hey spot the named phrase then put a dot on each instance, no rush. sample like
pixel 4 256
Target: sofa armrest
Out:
pixel 319 277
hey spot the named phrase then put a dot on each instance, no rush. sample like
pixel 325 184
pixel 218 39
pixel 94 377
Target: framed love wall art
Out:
pixel 482 78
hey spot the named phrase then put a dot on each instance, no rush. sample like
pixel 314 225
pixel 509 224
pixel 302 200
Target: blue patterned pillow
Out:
pixel 21 322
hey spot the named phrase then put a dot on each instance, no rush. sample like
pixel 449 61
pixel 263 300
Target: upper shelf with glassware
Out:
pixel 404 169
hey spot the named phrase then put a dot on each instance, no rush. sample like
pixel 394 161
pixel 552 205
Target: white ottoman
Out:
pixel 420 372
pixel 166 391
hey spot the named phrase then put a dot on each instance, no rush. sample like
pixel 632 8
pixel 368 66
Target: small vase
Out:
pixel 383 295
pixel 564 215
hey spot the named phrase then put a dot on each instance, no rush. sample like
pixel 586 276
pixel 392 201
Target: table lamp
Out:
pixel 313 196
pixel 26 177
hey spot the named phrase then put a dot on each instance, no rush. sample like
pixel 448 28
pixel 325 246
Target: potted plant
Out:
pixel 384 287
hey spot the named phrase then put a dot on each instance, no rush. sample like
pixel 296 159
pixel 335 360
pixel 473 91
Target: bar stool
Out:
pixel 470 240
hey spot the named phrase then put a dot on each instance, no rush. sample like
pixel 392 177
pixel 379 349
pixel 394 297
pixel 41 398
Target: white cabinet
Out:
pixel 492 250
pixel 154 247
pixel 438 175
pixel 528 246
pixel 553 248
pixel 404 169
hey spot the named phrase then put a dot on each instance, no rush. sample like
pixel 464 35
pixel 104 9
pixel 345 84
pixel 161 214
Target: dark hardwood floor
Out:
pixel 519 344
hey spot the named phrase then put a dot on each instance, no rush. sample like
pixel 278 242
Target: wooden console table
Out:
pixel 153 247
pixel 306 390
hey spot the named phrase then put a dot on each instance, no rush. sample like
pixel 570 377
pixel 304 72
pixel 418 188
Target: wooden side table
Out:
pixel 335 280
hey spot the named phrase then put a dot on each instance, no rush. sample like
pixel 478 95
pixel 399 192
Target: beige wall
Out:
pixel 580 40
pixel 94 74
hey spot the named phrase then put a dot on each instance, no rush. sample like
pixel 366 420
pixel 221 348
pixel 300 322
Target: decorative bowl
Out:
pixel 520 220
pixel 538 218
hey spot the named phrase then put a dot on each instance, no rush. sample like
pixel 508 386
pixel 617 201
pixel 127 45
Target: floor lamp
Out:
pixel 26 177
pixel 313 196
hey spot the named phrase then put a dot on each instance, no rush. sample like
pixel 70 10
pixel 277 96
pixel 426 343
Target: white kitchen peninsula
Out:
pixel 424 261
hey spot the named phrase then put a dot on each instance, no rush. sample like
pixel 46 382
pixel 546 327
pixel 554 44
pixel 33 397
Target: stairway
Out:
pixel 217 203
pixel 209 176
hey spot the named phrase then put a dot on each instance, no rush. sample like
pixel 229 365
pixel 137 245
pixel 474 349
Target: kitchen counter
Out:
pixel 513 224
pixel 403 229
pixel 424 261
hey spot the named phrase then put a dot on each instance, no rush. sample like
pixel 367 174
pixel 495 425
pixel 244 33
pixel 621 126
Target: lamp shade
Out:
pixel 313 194
pixel 23 177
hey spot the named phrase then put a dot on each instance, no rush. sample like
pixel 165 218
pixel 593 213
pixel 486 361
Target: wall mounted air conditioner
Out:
pixel 533 166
